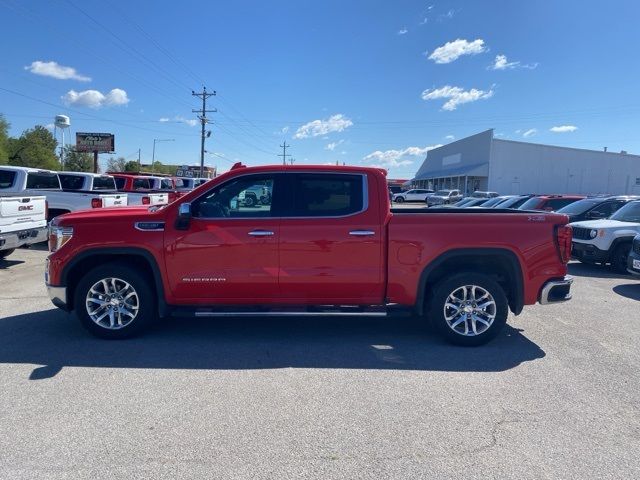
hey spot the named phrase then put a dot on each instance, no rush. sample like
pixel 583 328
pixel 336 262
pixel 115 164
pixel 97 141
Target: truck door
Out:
pixel 229 254
pixel 331 240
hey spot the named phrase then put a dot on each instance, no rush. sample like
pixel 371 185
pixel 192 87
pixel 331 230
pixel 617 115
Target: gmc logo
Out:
pixel 22 208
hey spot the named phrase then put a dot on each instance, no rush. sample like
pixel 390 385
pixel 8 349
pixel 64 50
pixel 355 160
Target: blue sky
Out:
pixel 360 82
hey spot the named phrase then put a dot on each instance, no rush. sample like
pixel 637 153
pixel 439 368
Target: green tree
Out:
pixel 116 164
pixel 75 161
pixel 34 148
pixel 4 140
pixel 131 166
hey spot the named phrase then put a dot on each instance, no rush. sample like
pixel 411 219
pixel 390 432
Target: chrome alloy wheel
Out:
pixel 112 303
pixel 470 310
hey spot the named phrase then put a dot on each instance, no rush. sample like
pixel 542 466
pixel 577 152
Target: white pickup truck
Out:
pixel 35 182
pixel 23 221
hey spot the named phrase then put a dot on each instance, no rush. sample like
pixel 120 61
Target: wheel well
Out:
pixel 80 268
pixel 502 266
pixel 55 212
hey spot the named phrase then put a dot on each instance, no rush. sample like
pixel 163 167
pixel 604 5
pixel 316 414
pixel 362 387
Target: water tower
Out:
pixel 62 122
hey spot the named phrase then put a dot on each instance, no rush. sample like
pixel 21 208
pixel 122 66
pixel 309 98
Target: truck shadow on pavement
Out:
pixel 578 269
pixel 55 340
pixel 629 290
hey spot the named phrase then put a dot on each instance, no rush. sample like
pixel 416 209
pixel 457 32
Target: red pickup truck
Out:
pixel 327 243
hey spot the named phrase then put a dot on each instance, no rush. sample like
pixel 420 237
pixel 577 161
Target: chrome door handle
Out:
pixel 362 233
pixel 260 233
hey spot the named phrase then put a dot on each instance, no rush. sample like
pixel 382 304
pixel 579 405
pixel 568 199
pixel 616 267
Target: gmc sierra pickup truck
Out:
pixel 140 190
pixel 23 221
pixel 326 244
pixel 34 182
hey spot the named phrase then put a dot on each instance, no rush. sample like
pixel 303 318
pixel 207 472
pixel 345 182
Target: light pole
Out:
pixel 153 155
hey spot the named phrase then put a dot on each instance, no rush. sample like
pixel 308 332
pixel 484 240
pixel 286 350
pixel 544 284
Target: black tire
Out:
pixel 441 292
pixel 250 201
pixel 6 253
pixel 146 303
pixel 619 258
pixel 399 200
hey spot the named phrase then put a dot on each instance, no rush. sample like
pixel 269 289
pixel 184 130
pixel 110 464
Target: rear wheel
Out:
pixel 6 253
pixel 114 302
pixel 468 309
pixel 619 258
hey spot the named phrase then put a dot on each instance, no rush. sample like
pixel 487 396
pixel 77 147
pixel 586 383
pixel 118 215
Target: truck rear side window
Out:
pixel 142 184
pixel 103 183
pixel 7 177
pixel 43 180
pixel 120 183
pixel 327 195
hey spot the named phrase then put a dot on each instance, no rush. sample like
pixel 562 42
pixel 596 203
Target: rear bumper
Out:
pixel 589 252
pixel 58 296
pixel 23 237
pixel 556 291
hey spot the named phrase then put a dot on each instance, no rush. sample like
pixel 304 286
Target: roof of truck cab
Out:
pixel 311 168
pixel 25 169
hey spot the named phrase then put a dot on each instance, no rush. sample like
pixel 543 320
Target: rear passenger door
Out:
pixel 331 240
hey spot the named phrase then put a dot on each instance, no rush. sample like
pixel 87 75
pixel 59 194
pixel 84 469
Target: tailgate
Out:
pixel 22 212
pixel 158 198
pixel 115 200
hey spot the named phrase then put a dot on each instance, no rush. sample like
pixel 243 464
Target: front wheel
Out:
pixel 468 309
pixel 114 302
pixel 619 258
pixel 399 199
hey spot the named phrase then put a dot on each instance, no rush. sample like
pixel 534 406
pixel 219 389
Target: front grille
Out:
pixel 636 246
pixel 581 233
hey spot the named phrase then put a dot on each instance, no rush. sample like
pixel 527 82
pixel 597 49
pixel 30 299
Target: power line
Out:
pixel 203 121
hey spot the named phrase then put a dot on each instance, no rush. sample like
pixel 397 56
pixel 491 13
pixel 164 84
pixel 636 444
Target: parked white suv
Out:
pixel 415 195
pixel 609 240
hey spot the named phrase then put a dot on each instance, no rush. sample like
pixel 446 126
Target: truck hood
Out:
pixel 98 214
pixel 603 224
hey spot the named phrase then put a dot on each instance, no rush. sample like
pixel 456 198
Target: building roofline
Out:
pixel 566 148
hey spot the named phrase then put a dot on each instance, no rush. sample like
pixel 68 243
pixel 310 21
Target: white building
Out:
pixel 482 162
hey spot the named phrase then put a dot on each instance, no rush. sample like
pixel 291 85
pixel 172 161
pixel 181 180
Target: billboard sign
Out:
pixel 95 142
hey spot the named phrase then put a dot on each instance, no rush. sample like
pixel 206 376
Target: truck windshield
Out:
pixel 104 183
pixel 442 193
pixel 43 180
pixel 629 213
pixel 531 204
pixel 579 207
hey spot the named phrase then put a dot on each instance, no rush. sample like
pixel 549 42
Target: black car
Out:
pixel 633 260
pixel 595 208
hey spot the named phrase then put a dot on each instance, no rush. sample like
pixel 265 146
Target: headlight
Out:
pixel 58 236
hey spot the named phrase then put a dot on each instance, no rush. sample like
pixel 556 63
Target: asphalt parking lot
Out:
pixel 557 395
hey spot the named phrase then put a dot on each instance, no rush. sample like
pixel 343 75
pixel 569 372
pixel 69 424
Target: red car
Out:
pixel 132 182
pixel 549 203
pixel 327 244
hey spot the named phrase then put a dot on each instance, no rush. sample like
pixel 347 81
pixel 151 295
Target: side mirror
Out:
pixel 595 215
pixel 184 216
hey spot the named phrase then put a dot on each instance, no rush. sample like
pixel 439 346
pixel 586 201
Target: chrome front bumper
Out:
pixel 25 237
pixel 556 291
pixel 58 296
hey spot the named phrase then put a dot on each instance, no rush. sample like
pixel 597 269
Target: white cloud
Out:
pixel 50 126
pixel 54 70
pixel 163 119
pixel 397 158
pixel 450 137
pixel 563 129
pixel 530 133
pixel 403 31
pixel 501 63
pixel 96 99
pixel 332 146
pixel 456 96
pixel 335 123
pixel 445 16
pixel 192 122
pixel 284 129
pixel 451 51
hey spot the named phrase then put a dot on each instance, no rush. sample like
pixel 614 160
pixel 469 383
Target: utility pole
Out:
pixel 284 153
pixel 139 166
pixel 202 115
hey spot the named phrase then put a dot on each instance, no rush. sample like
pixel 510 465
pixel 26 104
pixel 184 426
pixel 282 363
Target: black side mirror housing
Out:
pixel 184 216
